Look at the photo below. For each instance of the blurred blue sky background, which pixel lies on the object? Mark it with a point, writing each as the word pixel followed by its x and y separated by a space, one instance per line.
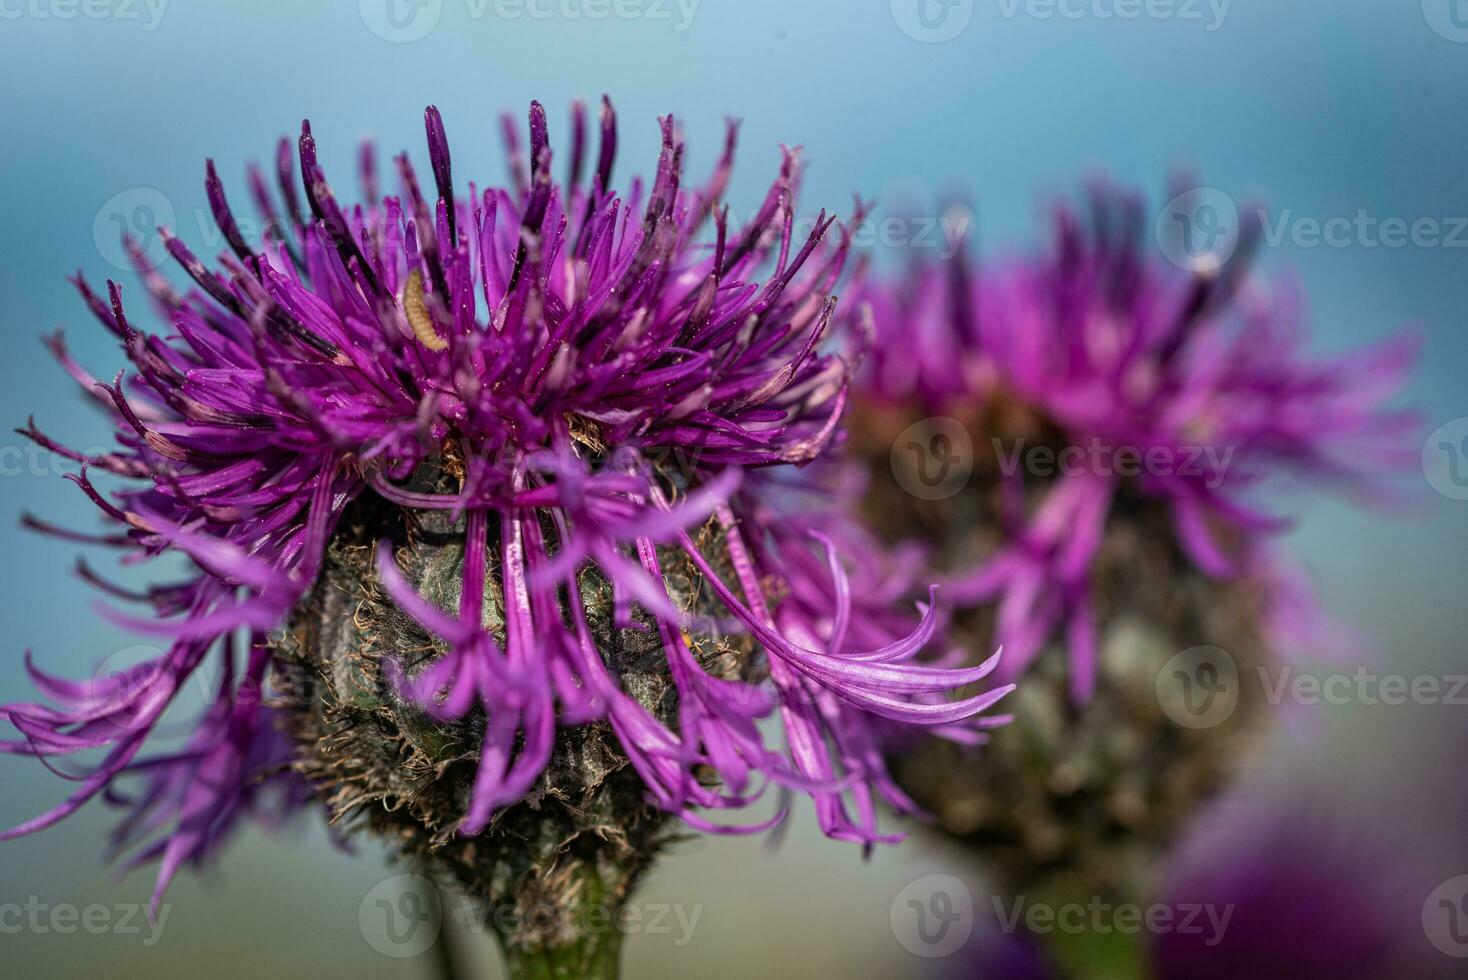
pixel 1322 107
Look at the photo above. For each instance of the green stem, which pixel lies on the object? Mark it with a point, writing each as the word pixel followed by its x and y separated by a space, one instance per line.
pixel 446 964
pixel 591 957
pixel 1096 956
pixel 572 929
pixel 1087 953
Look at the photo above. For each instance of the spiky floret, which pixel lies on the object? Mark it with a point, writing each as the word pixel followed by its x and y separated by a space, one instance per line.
pixel 1127 420
pixel 1199 384
pixel 550 347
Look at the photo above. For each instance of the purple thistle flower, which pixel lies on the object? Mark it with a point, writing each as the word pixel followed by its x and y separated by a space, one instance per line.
pixel 1112 526
pixel 1200 383
pixel 523 363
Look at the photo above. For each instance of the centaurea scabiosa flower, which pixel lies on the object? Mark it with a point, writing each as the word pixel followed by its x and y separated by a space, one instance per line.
pixel 488 482
pixel 1126 422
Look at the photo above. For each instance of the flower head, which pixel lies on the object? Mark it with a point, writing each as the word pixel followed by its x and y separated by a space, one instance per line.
pixel 588 398
pixel 1111 524
pixel 1142 384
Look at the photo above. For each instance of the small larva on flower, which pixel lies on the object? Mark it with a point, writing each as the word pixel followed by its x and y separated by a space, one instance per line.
pixel 417 313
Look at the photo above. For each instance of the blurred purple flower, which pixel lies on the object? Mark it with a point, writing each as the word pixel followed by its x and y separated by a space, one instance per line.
pixel 1257 891
pixel 1199 382
pixel 1302 890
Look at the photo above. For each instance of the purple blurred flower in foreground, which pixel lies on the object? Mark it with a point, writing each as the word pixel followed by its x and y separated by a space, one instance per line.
pixel 1300 889
pixel 1253 891
pixel 471 469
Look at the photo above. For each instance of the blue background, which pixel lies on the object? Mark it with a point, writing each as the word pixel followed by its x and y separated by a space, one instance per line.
pixel 1323 107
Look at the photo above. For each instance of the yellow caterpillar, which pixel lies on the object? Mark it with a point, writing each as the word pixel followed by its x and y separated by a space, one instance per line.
pixel 417 312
